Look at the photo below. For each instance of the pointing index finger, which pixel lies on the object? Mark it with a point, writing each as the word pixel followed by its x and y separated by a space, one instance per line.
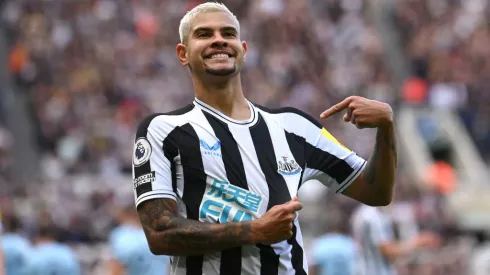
pixel 336 108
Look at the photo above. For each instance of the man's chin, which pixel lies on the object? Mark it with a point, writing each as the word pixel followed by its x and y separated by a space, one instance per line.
pixel 221 72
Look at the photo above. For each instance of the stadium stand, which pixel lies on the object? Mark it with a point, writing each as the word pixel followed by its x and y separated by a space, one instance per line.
pixel 93 69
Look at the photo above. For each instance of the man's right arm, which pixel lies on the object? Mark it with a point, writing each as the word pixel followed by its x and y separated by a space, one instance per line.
pixel 169 234
pixel 393 250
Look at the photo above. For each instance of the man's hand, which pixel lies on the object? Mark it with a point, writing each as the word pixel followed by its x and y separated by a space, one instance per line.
pixel 363 112
pixel 428 240
pixel 277 224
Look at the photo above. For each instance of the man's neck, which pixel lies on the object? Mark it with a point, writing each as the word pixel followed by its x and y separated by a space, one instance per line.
pixel 226 97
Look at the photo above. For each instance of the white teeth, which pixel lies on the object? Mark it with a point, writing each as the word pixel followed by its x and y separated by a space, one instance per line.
pixel 220 55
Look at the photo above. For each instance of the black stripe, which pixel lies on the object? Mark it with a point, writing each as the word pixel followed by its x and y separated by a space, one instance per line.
pixel 194 184
pixel 290 110
pixel 329 164
pixel 261 138
pixel 296 253
pixel 278 189
pixel 144 169
pixel 169 147
pixel 269 260
pixel 297 146
pixel 232 159
pixel 231 259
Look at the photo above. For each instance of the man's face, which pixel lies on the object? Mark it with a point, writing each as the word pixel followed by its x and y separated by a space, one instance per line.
pixel 213 46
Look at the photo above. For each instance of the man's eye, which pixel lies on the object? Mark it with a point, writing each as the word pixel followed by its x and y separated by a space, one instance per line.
pixel 203 34
pixel 231 34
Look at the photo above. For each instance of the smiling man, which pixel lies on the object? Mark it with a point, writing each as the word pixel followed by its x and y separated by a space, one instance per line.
pixel 215 182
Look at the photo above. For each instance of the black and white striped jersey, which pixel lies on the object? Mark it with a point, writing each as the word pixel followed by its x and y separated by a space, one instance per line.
pixel 222 170
pixel 371 228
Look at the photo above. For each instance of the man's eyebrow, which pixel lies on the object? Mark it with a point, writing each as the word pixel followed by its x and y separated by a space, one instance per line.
pixel 208 29
pixel 229 28
pixel 202 29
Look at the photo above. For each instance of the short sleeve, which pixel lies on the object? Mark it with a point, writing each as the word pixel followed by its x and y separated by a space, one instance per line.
pixel 326 160
pixel 153 160
pixel 330 162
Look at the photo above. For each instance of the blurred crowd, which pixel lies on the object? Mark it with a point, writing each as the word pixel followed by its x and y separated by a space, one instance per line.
pixel 93 69
pixel 446 43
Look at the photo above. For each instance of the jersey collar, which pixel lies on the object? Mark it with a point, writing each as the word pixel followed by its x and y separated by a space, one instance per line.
pixel 205 107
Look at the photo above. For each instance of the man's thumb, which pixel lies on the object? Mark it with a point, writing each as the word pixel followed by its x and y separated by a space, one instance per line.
pixel 346 118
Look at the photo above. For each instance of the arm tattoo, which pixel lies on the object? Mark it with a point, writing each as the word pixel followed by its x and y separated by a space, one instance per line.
pixel 172 235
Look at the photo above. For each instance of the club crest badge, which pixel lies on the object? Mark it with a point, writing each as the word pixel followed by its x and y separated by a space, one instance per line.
pixel 142 152
pixel 288 167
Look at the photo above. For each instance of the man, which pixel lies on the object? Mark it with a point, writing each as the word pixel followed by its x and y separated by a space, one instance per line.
pixel 50 257
pixel 215 182
pixel 335 253
pixel 15 247
pixel 130 251
pixel 373 230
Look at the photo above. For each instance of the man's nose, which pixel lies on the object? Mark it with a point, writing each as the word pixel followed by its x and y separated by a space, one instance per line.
pixel 219 42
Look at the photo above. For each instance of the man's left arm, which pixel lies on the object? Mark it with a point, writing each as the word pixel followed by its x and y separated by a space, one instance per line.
pixel 374 186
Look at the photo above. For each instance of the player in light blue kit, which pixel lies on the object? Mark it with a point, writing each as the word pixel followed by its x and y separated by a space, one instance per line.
pixel 130 252
pixel 16 248
pixel 335 253
pixel 50 257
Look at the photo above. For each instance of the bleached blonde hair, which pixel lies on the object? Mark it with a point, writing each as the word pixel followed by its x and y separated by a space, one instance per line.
pixel 185 23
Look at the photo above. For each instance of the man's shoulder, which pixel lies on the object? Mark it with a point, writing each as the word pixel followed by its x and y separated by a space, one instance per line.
pixel 289 115
pixel 168 118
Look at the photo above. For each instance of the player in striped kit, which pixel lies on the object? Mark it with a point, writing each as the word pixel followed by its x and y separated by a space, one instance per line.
pixel 215 182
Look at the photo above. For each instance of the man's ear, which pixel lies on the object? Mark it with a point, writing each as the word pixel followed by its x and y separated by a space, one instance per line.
pixel 182 54
pixel 245 49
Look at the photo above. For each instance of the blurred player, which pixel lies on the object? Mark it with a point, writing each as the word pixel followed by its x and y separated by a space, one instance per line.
pixel 373 230
pixel 130 252
pixel 335 253
pixel 15 247
pixel 50 257
pixel 215 182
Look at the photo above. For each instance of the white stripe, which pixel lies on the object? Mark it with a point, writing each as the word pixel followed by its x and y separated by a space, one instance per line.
pixel 211 263
pixel 179 175
pixel 250 260
pixel 283 249
pixel 178 265
pixel 213 165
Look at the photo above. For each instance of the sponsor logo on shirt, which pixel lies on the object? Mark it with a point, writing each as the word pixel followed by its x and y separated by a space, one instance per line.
pixel 288 167
pixel 214 150
pixel 142 152
pixel 224 202
pixel 146 178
